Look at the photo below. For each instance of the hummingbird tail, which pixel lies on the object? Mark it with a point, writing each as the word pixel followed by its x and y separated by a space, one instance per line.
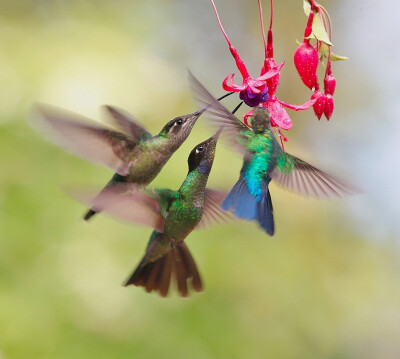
pixel 247 206
pixel 265 215
pixel 89 214
pixel 239 199
pixel 156 276
pixel 116 180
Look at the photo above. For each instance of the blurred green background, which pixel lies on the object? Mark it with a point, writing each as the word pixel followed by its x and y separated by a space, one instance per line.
pixel 325 286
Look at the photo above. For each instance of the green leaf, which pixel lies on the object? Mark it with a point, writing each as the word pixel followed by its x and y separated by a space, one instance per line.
pixel 324 52
pixel 335 57
pixel 318 31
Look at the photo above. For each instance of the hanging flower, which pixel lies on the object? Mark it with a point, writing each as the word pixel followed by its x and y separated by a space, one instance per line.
pixel 279 118
pixel 252 90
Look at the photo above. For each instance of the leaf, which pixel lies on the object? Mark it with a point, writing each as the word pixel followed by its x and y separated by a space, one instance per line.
pixel 324 52
pixel 335 57
pixel 318 31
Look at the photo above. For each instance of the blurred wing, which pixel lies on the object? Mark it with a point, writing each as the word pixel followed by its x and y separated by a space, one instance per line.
pixel 125 202
pixel 300 177
pixel 219 116
pixel 126 123
pixel 84 138
pixel 213 214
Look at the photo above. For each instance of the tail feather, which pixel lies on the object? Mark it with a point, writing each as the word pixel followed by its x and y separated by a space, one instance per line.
pixel 115 181
pixel 156 276
pixel 265 216
pixel 89 214
pixel 239 199
pixel 247 206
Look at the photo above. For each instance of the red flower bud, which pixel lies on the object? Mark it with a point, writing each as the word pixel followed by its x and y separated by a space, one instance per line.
pixel 329 106
pixel 319 104
pixel 306 62
pixel 329 84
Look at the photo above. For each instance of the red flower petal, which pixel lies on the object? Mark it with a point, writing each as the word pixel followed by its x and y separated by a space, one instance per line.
pixel 278 114
pixel 229 85
pixel 255 86
pixel 304 106
pixel 271 73
pixel 246 118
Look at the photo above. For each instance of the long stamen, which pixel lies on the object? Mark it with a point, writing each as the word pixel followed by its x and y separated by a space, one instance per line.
pixel 239 62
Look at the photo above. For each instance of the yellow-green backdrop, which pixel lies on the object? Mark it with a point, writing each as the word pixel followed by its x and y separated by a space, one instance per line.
pixel 326 286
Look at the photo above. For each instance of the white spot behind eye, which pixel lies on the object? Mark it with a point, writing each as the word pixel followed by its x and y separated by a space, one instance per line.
pixel 199 149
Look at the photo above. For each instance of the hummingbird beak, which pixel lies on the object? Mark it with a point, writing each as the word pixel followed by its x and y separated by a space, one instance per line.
pixel 216 135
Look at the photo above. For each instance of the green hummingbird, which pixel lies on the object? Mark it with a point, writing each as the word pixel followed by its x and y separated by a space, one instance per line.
pixel 264 160
pixel 173 215
pixel 127 148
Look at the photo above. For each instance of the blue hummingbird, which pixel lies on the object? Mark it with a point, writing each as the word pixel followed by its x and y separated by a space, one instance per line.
pixel 264 160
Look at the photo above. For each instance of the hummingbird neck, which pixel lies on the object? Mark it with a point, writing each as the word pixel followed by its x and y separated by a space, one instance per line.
pixel 194 184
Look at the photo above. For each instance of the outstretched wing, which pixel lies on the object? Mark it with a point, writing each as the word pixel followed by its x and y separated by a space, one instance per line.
pixel 126 123
pixel 85 138
pixel 300 177
pixel 217 115
pixel 127 202
pixel 213 214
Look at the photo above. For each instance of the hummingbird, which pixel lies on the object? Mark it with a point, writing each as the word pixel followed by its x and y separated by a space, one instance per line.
pixel 127 148
pixel 264 160
pixel 173 214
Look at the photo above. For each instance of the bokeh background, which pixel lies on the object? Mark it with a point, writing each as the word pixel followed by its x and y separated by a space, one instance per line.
pixel 325 286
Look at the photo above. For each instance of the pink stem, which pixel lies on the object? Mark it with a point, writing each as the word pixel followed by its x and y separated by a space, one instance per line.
pixel 239 62
pixel 308 30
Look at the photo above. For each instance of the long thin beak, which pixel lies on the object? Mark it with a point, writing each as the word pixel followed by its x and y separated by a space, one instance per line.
pixel 216 135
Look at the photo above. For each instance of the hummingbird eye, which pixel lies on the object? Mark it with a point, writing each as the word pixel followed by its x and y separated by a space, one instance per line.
pixel 199 149
pixel 179 122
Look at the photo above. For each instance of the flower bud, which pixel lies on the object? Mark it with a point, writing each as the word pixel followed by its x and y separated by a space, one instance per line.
pixel 319 104
pixel 329 84
pixel 306 62
pixel 329 106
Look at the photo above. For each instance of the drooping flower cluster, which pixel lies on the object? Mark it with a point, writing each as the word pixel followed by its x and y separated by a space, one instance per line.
pixel 308 57
pixel 261 91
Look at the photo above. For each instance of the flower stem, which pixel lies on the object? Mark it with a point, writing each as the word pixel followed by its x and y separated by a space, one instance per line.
pixel 239 62
pixel 237 107
pixel 223 96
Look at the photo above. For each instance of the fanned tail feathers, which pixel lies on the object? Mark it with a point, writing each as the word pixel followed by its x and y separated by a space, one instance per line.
pixel 249 207
pixel 156 276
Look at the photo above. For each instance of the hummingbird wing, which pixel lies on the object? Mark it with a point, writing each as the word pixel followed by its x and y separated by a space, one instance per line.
pixel 217 115
pixel 126 123
pixel 85 138
pixel 127 202
pixel 213 214
pixel 300 177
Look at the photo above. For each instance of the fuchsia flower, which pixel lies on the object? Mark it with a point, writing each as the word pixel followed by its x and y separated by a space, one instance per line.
pixel 280 119
pixel 261 90
pixel 307 58
pixel 252 90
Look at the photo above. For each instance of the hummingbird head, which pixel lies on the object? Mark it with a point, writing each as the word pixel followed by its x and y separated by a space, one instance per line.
pixel 178 129
pixel 260 120
pixel 202 156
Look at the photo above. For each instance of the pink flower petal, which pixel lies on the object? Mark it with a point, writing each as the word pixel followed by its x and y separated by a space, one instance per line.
pixel 229 85
pixel 304 106
pixel 246 118
pixel 270 73
pixel 278 114
pixel 255 86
